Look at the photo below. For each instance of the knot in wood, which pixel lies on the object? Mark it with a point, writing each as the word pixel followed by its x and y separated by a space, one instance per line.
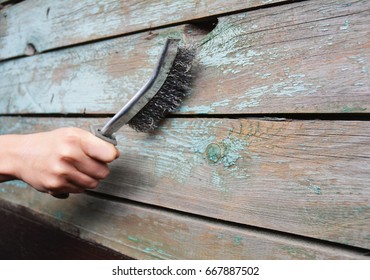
pixel 213 152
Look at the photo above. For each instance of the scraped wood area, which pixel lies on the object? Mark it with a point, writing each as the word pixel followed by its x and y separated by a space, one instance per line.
pixel 268 158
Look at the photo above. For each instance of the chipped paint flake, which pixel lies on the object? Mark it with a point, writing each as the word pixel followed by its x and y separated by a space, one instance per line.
pixel 222 49
pixel 345 26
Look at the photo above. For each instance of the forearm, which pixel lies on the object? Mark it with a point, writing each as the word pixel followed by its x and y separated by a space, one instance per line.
pixel 9 147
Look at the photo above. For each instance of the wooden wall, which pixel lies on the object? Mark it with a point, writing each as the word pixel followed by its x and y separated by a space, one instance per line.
pixel 267 159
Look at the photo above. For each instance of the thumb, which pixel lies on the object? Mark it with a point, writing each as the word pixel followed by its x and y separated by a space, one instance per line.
pixel 98 149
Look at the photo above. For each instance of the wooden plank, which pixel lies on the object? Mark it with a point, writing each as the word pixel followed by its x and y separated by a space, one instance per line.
pixel 20 239
pixel 305 57
pixel 146 233
pixel 309 178
pixel 54 24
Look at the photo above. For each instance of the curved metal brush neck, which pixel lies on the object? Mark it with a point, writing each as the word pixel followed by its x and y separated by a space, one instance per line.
pixel 146 93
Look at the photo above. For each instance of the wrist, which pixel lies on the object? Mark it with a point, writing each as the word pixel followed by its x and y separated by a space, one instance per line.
pixel 10 161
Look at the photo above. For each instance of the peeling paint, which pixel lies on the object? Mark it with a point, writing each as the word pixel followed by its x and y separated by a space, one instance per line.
pixel 222 49
pixel 205 109
pixel 133 239
pixel 237 240
pixel 233 150
pixel 154 251
pixel 348 109
pixel 201 109
pixel 345 26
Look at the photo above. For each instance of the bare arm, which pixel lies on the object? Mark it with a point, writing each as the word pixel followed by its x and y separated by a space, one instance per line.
pixel 66 160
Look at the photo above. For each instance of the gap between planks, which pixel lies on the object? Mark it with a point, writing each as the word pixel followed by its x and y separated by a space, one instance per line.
pixel 269 117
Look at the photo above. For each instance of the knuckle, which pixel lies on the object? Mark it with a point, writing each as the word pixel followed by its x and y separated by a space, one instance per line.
pixel 59 170
pixel 103 172
pixel 90 183
pixel 54 184
pixel 66 152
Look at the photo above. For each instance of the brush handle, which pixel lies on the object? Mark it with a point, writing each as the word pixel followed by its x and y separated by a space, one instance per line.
pixel 110 139
pixel 61 195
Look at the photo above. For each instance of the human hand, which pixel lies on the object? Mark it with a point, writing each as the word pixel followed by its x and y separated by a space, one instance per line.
pixel 66 160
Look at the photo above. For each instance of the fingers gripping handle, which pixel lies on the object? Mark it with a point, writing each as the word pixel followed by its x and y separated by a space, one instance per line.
pixel 100 135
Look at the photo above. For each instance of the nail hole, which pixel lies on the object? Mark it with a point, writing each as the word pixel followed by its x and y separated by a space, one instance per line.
pixel 207 25
pixel 200 27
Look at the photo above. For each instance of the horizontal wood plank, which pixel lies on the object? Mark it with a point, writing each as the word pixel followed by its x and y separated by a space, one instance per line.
pixel 146 233
pixel 309 178
pixel 20 239
pixel 53 24
pixel 305 57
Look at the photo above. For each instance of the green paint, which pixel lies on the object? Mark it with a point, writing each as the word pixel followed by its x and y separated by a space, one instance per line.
pixel 298 253
pixel 237 240
pixel 220 236
pixel 234 147
pixel 223 49
pixel 345 26
pixel 58 214
pixel 154 251
pixel 348 109
pixel 201 109
pixel 312 187
pixel 213 152
pixel 362 210
pixel 133 239
pixel 316 189
pixel 205 109
pixel 17 184
pixel 218 182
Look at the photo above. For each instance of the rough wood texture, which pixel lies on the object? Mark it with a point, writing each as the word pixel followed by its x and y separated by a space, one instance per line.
pixel 54 24
pixel 305 57
pixel 304 177
pixel 24 237
pixel 146 233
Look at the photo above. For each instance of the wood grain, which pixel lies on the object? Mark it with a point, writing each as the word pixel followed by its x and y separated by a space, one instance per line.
pixel 24 237
pixel 54 24
pixel 305 57
pixel 146 233
pixel 309 178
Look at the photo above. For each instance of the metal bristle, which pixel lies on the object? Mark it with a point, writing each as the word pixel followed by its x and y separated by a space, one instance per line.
pixel 171 94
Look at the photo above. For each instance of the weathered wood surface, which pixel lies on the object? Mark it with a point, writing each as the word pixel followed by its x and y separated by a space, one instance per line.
pixel 305 57
pixel 24 237
pixel 146 233
pixel 309 178
pixel 53 24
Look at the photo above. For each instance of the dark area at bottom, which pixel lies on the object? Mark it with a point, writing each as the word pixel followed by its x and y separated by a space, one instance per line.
pixel 23 237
